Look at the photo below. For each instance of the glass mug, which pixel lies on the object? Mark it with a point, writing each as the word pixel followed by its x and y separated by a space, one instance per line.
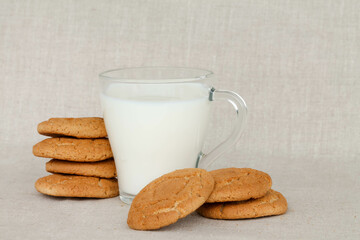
pixel 156 119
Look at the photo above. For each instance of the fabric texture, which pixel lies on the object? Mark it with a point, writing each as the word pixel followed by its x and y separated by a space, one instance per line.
pixel 296 64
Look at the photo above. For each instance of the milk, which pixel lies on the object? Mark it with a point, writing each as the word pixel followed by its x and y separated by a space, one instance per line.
pixel 154 129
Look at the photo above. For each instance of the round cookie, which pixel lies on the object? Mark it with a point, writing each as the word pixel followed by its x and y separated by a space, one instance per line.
pixel 77 186
pixel 169 198
pixel 238 184
pixel 102 169
pixel 90 127
pixel 72 149
pixel 273 203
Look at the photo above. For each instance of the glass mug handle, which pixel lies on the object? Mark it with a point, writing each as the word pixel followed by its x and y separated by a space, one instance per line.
pixel 241 111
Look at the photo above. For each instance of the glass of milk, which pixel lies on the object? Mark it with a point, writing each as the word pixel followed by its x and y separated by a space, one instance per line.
pixel 156 119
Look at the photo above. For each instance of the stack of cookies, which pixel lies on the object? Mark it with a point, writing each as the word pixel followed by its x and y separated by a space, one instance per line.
pixel 242 193
pixel 230 193
pixel 82 163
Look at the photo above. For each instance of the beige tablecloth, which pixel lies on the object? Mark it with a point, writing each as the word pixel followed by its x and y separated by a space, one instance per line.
pixel 323 198
pixel 296 63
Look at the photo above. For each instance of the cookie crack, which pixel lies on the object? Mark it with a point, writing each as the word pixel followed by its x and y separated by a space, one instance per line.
pixel 100 183
pixel 59 183
pixel 65 144
pixel 222 209
pixel 164 210
pixel 168 209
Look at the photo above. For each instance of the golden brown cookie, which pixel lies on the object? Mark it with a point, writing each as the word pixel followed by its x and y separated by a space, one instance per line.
pixel 273 203
pixel 102 169
pixel 77 186
pixel 169 198
pixel 90 127
pixel 238 184
pixel 72 149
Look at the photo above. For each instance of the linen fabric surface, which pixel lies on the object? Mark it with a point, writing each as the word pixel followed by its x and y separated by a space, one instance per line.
pixel 296 64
